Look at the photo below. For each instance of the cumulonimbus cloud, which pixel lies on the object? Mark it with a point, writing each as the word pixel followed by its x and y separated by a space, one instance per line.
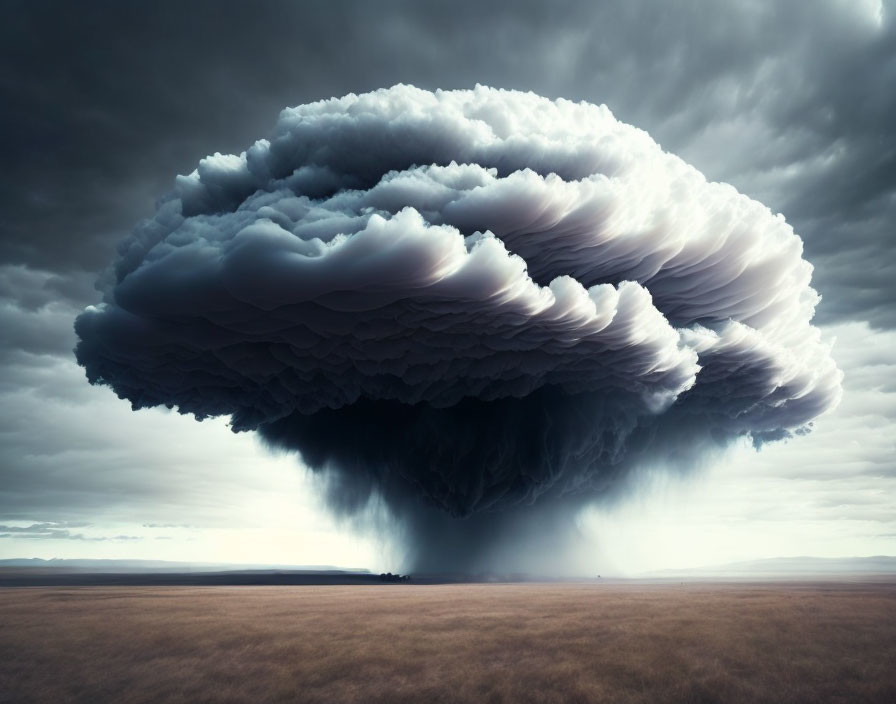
pixel 466 298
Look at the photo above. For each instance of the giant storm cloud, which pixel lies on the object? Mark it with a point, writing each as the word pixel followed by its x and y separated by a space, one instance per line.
pixel 479 308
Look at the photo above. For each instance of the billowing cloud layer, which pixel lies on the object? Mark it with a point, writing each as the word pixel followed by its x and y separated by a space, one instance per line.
pixel 469 298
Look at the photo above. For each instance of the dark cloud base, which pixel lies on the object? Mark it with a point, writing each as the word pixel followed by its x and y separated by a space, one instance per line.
pixel 491 486
pixel 485 456
pixel 471 457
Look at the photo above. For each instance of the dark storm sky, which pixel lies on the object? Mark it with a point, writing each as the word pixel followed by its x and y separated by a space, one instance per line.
pixel 790 102
pixel 105 102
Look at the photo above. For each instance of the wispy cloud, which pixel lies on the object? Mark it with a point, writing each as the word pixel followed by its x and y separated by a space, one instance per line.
pixel 57 531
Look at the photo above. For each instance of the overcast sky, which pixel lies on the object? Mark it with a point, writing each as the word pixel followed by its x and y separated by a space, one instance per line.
pixel 104 103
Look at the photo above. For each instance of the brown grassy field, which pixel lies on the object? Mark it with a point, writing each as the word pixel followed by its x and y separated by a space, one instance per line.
pixel 453 643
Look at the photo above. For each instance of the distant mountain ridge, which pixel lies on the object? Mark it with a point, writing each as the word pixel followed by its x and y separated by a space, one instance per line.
pixel 126 566
pixel 790 566
pixel 769 568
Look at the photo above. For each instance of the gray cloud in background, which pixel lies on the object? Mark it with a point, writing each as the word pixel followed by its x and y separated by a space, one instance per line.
pixel 56 531
pixel 790 103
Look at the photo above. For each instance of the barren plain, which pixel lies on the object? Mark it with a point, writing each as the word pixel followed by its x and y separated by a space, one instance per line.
pixel 558 642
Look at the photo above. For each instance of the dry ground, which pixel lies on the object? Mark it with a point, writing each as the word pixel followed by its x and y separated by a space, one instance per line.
pixel 452 643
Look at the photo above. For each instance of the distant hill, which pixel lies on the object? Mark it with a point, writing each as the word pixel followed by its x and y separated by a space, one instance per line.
pixel 139 566
pixel 36 572
pixel 801 566
pixel 60 571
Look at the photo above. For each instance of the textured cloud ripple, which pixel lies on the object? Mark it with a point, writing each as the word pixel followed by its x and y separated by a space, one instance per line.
pixel 464 302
